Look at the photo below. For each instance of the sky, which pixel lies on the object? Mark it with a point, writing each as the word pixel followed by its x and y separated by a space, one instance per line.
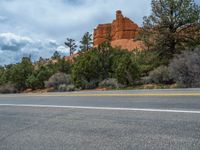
pixel 40 27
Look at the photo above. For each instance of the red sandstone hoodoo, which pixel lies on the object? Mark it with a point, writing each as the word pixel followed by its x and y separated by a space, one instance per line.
pixel 120 33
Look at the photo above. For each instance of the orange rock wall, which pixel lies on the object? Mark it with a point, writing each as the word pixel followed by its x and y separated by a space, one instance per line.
pixel 128 44
pixel 120 29
pixel 102 34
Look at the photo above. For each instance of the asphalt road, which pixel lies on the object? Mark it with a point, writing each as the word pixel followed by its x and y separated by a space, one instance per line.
pixel 112 120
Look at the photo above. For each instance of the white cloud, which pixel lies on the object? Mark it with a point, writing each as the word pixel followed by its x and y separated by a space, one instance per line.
pixel 67 18
pixel 12 42
pixel 62 49
pixel 13 47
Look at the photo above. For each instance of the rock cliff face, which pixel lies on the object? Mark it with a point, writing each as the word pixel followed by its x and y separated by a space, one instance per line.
pixel 102 34
pixel 120 33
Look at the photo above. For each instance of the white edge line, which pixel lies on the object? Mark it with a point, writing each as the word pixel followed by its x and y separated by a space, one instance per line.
pixel 104 108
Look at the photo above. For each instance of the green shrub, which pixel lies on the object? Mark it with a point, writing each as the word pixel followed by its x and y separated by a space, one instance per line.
pixel 86 69
pixel 39 75
pixel 92 66
pixel 58 79
pixel 110 83
pixel 18 73
pixel 63 66
pixel 125 69
pixel 68 88
pixel 2 76
pixel 104 62
pixel 160 75
pixel 147 61
pixel 33 82
pixel 90 84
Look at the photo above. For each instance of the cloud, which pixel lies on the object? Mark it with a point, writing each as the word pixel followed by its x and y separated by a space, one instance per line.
pixel 12 42
pixel 62 49
pixel 3 19
pixel 67 18
pixel 13 47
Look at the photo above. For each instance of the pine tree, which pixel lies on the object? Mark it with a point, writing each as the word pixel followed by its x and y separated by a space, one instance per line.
pixel 173 26
pixel 86 42
pixel 70 43
pixel 56 55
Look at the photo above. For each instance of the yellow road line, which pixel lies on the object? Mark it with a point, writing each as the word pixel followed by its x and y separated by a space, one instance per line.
pixel 107 95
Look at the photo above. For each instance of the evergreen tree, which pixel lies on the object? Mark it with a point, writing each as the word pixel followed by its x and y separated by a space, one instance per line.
pixel 56 55
pixel 18 73
pixel 86 42
pixel 172 26
pixel 63 66
pixel 70 43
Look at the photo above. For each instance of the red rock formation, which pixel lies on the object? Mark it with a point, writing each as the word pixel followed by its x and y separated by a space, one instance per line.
pixel 123 28
pixel 128 44
pixel 102 34
pixel 120 33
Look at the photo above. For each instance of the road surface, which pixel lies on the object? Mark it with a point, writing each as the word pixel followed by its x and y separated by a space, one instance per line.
pixel 110 120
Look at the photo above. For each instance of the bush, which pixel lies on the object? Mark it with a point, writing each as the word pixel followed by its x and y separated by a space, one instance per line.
pixel 160 75
pixel 125 69
pixel 87 69
pixel 63 66
pixel 33 82
pixel 18 73
pixel 110 83
pixel 93 66
pixel 148 61
pixel 90 84
pixel 41 74
pixel 185 68
pixel 64 88
pixel 58 79
pixel 8 88
pixel 104 62
pixel 2 76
